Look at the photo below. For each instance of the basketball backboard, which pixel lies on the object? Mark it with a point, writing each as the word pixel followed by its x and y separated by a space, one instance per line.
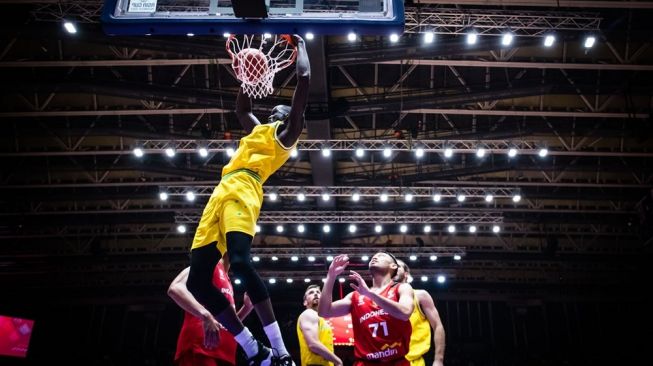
pixel 216 17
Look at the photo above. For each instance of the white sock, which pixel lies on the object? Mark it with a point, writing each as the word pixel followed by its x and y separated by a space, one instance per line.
pixel 247 342
pixel 274 335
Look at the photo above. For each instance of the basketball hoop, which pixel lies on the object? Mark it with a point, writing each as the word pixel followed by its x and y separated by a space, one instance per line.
pixel 254 66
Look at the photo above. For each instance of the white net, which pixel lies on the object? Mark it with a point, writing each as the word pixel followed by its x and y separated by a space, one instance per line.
pixel 256 59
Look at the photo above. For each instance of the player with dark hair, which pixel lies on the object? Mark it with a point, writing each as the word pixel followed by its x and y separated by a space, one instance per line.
pixel 380 314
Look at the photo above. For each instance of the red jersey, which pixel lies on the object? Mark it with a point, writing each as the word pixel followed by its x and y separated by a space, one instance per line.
pixel 191 337
pixel 379 337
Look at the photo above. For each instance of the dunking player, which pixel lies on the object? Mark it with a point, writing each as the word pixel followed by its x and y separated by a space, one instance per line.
pixel 379 314
pixel 229 218
pixel 424 317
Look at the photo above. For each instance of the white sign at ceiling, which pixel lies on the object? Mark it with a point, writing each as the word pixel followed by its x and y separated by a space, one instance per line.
pixel 142 6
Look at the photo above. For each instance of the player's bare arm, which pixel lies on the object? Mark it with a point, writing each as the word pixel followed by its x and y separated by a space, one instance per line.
pixel 244 113
pixel 327 308
pixel 291 133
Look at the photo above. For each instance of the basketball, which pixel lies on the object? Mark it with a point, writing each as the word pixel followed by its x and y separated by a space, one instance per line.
pixel 251 64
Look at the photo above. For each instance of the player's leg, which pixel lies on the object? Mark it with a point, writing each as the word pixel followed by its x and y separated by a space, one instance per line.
pixel 239 246
pixel 204 258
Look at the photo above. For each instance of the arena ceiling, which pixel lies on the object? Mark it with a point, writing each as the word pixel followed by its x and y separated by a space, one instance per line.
pixel 80 210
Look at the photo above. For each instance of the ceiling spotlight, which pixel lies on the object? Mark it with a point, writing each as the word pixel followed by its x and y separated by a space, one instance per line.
pixel 427 228
pixel 506 39
pixel 190 34
pixel 359 152
pixel 461 197
pixel 472 229
pixel 441 279
pixel 387 152
pixel 203 152
pixel 496 229
pixel 365 258
pixel 311 258
pixel 480 152
pixel 408 197
pixel 293 153
pixel 190 196
pixel 437 197
pixel 326 229
pixel 472 37
pixel 300 228
pixel 307 280
pixel 419 152
pixel 310 36
pixel 433 258
pixel 351 37
pixel 378 228
pixel 424 278
pixel 543 152
pixel 170 152
pixel 274 258
pixel 329 258
pixel 70 27
pixel 226 35
pixel 410 279
pixel 256 258
pixel 549 40
pixel 272 281
pixel 341 280
pixel 267 35
pixel 516 198
pixel 258 228
pixel 289 280
pixel 403 228
pixel 352 228
pixel 163 196
pixel 355 197
pixel 237 281
pixel 451 229
pixel 326 152
pixel 448 152
pixel 301 197
pixel 181 229
pixel 589 42
pixel 279 228
pixel 428 37
pixel 457 257
pixel 273 196
pixel 325 197
pixel 489 197
pixel 413 257
pixel 138 152
pixel 394 38
pixel 384 197
pixel 512 152
pixel 294 258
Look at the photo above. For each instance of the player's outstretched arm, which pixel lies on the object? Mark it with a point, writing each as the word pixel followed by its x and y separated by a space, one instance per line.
pixel 300 98
pixel 244 113
pixel 431 312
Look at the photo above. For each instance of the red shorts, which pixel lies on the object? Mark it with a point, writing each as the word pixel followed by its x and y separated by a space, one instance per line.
pixel 198 359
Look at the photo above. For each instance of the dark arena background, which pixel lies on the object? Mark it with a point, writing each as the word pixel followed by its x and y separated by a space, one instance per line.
pixel 514 175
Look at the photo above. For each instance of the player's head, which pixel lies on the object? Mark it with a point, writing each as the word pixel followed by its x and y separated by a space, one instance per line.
pixel 279 113
pixel 312 296
pixel 384 262
pixel 403 272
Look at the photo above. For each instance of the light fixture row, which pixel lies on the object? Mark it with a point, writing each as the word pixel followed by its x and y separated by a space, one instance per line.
pixel 326 152
pixel 440 279
pixel 353 228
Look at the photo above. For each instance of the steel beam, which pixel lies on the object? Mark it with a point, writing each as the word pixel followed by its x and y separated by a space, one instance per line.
pixel 521 65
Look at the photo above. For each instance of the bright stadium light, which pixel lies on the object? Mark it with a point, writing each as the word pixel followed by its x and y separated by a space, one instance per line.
pixel 203 152
pixel 138 152
pixel 549 40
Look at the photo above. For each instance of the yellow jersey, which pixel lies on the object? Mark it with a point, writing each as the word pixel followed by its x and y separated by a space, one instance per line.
pixel 259 154
pixel 324 335
pixel 420 338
